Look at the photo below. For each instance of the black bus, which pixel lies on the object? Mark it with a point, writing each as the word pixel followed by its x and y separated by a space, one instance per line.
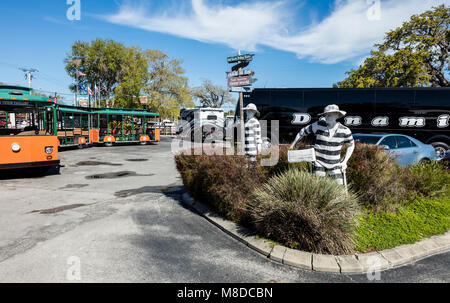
pixel 422 113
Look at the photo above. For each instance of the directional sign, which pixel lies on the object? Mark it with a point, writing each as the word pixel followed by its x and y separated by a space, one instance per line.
pixel 239 66
pixel 244 89
pixel 246 57
pixel 240 81
pixel 240 73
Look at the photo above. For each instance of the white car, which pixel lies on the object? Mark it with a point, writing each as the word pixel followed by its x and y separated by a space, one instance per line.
pixel 405 149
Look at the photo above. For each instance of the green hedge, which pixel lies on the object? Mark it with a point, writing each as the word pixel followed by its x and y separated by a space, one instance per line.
pixel 227 184
pixel 416 220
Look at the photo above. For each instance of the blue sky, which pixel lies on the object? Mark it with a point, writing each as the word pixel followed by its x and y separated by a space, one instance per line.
pixel 297 43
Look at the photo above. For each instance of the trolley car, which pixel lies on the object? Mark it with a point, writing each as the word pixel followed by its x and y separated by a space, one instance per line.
pixel 32 128
pixel 28 132
pixel 126 126
pixel 74 126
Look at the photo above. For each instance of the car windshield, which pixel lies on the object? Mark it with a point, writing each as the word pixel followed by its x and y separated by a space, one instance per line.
pixel 367 139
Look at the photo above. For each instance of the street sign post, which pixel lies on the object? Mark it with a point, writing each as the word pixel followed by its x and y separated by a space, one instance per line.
pixel 241 73
pixel 239 58
pixel 238 81
pixel 243 89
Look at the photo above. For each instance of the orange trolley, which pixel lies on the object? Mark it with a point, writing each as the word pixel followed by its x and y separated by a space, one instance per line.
pixel 125 126
pixel 27 130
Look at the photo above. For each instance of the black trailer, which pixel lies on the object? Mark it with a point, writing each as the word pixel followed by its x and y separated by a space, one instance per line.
pixel 422 113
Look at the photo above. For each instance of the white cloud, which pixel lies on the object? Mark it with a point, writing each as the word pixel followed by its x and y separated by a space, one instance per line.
pixel 346 33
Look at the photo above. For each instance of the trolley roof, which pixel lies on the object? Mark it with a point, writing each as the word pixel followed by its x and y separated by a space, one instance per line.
pixel 20 93
pixel 127 112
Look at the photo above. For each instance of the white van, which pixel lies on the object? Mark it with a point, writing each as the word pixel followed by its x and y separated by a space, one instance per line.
pixel 208 120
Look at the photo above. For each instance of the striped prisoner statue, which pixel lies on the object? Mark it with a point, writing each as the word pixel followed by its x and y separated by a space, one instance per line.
pixel 252 138
pixel 328 148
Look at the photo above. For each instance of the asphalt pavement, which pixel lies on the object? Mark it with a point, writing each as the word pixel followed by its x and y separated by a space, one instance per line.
pixel 116 215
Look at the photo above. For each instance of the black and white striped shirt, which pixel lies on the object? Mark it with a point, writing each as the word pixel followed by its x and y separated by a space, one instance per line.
pixel 328 148
pixel 252 136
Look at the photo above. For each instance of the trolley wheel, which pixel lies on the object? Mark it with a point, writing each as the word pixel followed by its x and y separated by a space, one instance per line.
pixel 108 144
pixel 143 143
pixel 80 146
pixel 56 169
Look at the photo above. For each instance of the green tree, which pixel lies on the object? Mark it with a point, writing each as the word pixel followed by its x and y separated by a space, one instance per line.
pixel 211 95
pixel 166 87
pixel 135 75
pixel 413 55
pixel 103 61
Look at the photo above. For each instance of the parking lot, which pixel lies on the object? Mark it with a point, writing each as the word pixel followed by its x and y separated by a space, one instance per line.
pixel 118 211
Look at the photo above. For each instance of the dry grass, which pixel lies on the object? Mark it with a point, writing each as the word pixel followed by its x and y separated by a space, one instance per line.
pixel 305 212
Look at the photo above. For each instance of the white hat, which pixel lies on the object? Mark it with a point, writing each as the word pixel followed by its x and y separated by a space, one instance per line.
pixel 251 107
pixel 333 108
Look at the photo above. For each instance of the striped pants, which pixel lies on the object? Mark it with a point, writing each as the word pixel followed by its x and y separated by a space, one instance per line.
pixel 334 172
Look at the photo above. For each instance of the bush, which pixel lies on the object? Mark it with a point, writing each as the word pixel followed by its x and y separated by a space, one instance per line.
pixel 413 222
pixel 222 182
pixel 304 211
pixel 283 164
pixel 428 179
pixel 375 176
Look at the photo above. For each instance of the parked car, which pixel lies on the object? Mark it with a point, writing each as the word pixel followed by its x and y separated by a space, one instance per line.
pixel 405 149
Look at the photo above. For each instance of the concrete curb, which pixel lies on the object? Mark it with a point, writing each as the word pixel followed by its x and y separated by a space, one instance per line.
pixel 349 264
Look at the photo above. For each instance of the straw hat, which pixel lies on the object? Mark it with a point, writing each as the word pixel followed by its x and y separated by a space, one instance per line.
pixel 333 108
pixel 251 107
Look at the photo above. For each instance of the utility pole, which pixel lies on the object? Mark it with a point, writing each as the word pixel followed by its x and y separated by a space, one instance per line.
pixel 29 74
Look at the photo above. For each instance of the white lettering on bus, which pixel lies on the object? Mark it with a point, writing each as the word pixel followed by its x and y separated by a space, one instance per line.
pixel 443 120
pixel 300 118
pixel 380 121
pixel 353 121
pixel 412 122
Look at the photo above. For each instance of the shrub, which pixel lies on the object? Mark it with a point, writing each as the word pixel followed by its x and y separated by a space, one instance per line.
pixel 283 164
pixel 222 182
pixel 375 176
pixel 428 179
pixel 416 220
pixel 303 211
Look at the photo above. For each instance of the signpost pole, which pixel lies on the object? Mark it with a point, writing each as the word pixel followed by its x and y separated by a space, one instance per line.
pixel 241 107
pixel 238 79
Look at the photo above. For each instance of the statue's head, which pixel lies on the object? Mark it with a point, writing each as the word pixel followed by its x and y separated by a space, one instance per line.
pixel 332 113
pixel 251 110
pixel 331 119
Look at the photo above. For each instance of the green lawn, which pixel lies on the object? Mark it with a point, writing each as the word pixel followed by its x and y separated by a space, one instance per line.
pixel 414 221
